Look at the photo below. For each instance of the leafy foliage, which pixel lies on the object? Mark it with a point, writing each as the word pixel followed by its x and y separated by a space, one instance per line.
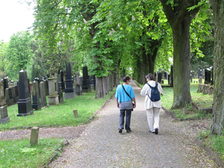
pixel 18 53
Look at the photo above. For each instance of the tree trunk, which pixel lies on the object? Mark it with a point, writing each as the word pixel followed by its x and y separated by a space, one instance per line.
pixel 180 17
pixel 218 95
pixel 181 63
pixel 99 87
pixel 146 62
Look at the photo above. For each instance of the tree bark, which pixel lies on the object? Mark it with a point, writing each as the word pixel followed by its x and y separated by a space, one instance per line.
pixel 146 60
pixel 181 63
pixel 218 95
pixel 180 19
pixel 99 87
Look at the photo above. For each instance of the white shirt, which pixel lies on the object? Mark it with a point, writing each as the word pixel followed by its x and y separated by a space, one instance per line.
pixel 146 91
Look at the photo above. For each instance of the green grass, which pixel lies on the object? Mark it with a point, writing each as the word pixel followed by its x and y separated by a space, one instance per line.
pixel 217 144
pixel 58 115
pixel 201 100
pixel 19 154
pixel 214 142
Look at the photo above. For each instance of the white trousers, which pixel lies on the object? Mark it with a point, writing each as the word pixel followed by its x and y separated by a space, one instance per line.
pixel 153 118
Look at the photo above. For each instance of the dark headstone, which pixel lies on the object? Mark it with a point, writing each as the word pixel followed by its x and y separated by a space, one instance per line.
pixel 159 77
pixel 24 102
pixel 43 94
pixel 5 83
pixel 36 96
pixel 208 76
pixel 85 79
pixel 69 91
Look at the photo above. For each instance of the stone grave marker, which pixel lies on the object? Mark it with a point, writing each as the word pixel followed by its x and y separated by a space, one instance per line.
pixel 159 77
pixel 60 90
pixel 85 80
pixel 24 102
pixel 3 107
pixel 77 84
pixel 53 93
pixel 43 94
pixel 36 96
pixel 208 76
pixel 69 91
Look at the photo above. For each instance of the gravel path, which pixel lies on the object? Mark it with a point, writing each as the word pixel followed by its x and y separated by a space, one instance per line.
pixel 101 146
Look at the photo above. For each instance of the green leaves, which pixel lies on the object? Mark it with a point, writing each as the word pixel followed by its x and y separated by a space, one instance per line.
pixel 19 53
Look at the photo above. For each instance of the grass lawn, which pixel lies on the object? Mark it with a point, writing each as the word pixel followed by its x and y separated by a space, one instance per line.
pixel 58 115
pixel 201 100
pixel 19 154
pixel 214 142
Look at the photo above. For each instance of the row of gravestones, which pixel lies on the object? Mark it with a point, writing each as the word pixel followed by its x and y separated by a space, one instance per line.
pixel 33 96
pixel 208 76
pixel 164 75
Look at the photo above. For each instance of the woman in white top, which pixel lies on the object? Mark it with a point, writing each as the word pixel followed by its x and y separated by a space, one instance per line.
pixel 152 91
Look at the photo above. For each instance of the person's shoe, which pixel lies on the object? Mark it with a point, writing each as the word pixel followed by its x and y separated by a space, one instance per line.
pixel 156 131
pixel 128 130
pixel 120 131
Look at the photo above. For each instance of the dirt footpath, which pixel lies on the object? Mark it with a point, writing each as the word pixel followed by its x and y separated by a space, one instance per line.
pixel 101 146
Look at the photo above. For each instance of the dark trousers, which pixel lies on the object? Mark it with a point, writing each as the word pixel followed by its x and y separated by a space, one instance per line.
pixel 128 119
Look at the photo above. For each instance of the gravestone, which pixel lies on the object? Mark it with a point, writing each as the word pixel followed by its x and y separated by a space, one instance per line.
pixel 53 93
pixel 208 76
pixel 5 83
pixel 3 107
pixel 43 94
pixel 60 90
pixel 69 91
pixel 46 87
pixel 24 102
pixel 85 79
pixel 159 77
pixel 92 83
pixel 62 80
pixel 77 84
pixel 36 96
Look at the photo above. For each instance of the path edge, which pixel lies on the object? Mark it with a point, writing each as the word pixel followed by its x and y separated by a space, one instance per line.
pixel 210 152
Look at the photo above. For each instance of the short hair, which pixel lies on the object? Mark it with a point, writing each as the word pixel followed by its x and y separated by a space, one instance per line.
pixel 150 76
pixel 126 78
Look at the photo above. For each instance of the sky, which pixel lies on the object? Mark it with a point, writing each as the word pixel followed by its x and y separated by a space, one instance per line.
pixel 15 16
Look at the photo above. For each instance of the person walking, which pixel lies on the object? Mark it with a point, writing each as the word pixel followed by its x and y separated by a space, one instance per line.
pixel 152 91
pixel 125 98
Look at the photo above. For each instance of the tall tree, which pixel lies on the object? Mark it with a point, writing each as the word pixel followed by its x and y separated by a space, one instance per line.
pixel 218 97
pixel 19 53
pixel 180 17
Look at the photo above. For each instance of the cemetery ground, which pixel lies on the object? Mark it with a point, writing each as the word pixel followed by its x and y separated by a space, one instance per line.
pixel 57 115
pixel 181 133
pixel 15 150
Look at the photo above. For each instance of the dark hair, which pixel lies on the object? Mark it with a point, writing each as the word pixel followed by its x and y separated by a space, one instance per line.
pixel 126 78
pixel 150 76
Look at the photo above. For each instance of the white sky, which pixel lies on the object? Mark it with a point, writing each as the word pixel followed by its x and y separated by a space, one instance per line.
pixel 15 15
